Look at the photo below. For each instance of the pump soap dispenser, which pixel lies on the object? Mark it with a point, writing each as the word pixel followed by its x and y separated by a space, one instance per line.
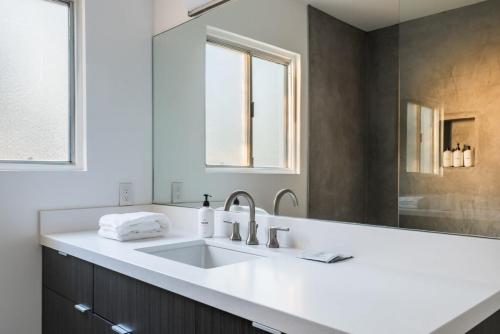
pixel 206 219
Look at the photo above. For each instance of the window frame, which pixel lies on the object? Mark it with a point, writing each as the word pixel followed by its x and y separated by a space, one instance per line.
pixel 77 98
pixel 291 60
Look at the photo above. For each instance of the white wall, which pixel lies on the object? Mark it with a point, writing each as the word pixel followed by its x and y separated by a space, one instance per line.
pixel 179 101
pixel 119 149
pixel 168 14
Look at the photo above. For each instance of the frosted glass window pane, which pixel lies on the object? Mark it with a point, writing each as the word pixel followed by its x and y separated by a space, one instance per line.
pixel 426 146
pixel 269 122
pixel 412 138
pixel 226 107
pixel 34 81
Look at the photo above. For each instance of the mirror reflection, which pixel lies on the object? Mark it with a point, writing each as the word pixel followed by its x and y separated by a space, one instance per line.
pixel 386 117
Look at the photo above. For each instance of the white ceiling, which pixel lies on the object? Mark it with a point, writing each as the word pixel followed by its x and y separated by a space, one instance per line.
pixel 374 14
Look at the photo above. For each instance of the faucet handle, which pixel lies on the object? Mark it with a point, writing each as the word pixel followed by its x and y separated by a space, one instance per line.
pixel 235 232
pixel 272 242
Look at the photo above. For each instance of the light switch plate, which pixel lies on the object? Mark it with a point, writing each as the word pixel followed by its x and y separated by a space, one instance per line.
pixel 126 194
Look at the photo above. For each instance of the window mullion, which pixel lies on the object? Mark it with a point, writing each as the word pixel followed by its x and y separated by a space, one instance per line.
pixel 250 108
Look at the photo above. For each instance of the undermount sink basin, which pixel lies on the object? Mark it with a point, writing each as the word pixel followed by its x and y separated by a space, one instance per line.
pixel 199 254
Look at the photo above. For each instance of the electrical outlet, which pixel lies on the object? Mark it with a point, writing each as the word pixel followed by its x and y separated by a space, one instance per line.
pixel 176 189
pixel 126 194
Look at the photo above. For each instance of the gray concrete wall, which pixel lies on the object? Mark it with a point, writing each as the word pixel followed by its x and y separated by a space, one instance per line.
pixel 381 142
pixel 452 60
pixel 353 122
pixel 336 134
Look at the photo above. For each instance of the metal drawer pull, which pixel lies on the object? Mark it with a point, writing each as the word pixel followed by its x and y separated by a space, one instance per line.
pixel 82 308
pixel 62 253
pixel 265 328
pixel 121 329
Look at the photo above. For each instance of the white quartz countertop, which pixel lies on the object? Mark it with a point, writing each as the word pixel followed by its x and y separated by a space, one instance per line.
pixel 361 295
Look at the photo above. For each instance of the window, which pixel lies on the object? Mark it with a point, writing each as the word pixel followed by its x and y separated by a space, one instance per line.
pixel 40 100
pixel 422 139
pixel 251 107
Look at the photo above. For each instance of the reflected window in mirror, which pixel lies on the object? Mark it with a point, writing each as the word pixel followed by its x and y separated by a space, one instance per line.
pixel 250 101
pixel 423 138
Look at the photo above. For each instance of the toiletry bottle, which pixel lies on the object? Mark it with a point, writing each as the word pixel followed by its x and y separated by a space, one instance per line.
pixel 458 157
pixel 236 206
pixel 447 158
pixel 468 160
pixel 206 219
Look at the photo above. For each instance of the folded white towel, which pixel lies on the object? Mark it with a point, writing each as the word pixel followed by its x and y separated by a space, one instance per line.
pixel 140 228
pixel 131 236
pixel 124 223
pixel 133 226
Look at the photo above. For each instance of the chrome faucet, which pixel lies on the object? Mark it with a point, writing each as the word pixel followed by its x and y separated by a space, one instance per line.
pixel 252 225
pixel 279 196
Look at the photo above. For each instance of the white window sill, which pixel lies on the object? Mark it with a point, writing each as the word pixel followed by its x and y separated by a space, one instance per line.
pixel 41 167
pixel 254 170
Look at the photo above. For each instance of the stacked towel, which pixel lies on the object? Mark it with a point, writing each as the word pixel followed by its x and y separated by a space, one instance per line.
pixel 133 226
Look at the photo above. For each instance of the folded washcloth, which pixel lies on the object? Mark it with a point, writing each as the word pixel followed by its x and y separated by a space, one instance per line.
pixel 133 226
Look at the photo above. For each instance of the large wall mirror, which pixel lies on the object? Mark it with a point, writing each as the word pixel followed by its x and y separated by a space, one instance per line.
pixel 385 114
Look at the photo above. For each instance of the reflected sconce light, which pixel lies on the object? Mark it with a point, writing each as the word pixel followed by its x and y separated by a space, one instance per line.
pixel 197 7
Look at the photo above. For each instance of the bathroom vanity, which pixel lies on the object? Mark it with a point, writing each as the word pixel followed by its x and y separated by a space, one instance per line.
pixel 95 285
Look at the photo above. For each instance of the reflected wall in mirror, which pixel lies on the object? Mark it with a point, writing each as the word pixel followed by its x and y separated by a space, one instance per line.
pixel 450 62
pixel 359 111
pixel 230 100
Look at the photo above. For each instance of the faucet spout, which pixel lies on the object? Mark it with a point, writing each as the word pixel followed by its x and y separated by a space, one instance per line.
pixel 279 196
pixel 252 225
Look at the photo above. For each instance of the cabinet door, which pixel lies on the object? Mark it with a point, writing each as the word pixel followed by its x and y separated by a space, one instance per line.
pixel 68 276
pixel 59 316
pixel 123 300
pixel 101 326
pixel 213 321
pixel 177 314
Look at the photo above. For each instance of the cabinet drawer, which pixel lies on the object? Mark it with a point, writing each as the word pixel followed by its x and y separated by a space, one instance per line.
pixel 68 276
pixel 101 326
pixel 123 300
pixel 59 316
pixel 177 314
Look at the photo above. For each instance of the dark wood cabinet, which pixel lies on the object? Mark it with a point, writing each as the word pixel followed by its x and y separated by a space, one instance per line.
pixel 123 300
pixel 69 276
pixel 101 326
pixel 60 316
pixel 213 321
pixel 177 314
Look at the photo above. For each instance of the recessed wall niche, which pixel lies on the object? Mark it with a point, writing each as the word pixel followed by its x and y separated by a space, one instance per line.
pixel 460 129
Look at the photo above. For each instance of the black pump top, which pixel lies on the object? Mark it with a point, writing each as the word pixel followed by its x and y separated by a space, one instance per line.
pixel 236 201
pixel 206 203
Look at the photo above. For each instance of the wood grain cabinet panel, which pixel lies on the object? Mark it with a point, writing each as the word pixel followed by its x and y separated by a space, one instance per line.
pixel 123 300
pixel 101 326
pixel 69 276
pixel 177 314
pixel 60 317
pixel 213 321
